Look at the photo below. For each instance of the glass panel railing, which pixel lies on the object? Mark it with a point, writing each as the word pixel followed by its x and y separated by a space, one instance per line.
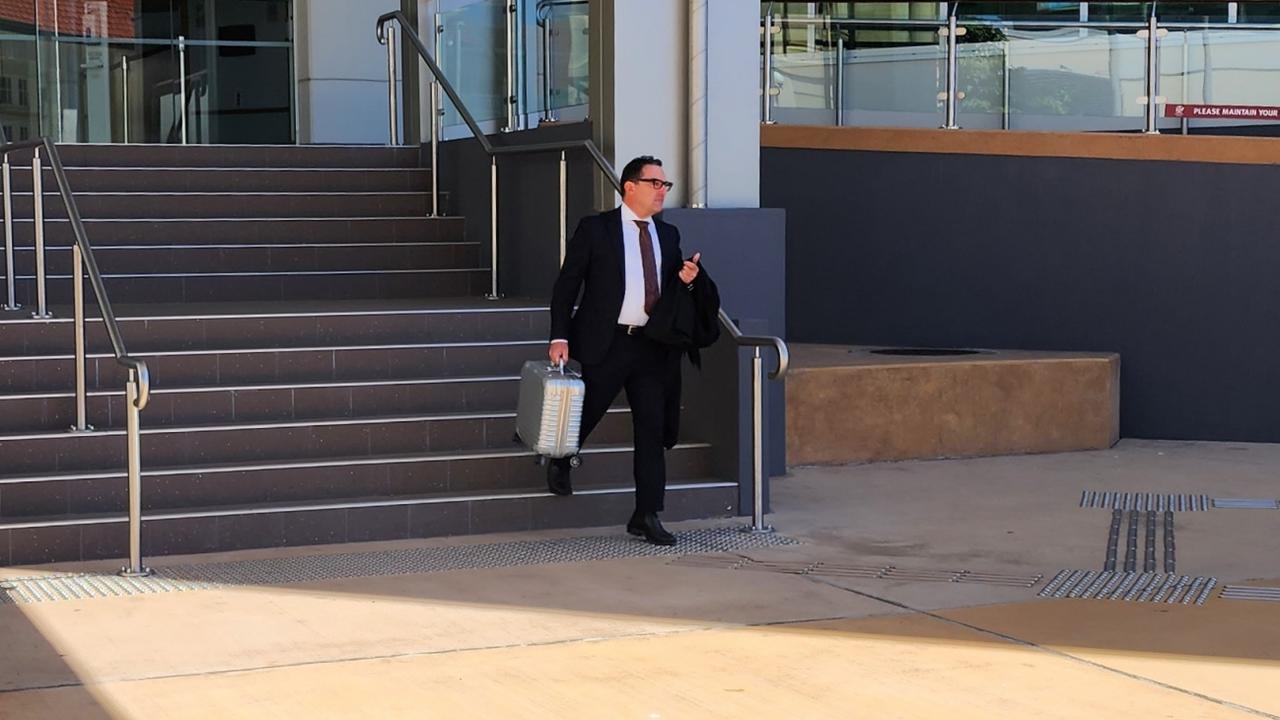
pixel 1063 79
pixel 1053 75
pixel 562 56
pixel 471 51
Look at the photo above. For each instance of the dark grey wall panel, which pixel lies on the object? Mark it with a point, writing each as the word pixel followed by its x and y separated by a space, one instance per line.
pixel 528 202
pixel 1170 264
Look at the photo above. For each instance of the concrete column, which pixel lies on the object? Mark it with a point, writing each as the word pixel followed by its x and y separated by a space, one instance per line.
pixel 342 72
pixel 639 93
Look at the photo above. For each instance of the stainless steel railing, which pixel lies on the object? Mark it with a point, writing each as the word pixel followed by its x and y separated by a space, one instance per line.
pixel 442 82
pixel 754 341
pixel 949 28
pixel 545 15
pixel 138 384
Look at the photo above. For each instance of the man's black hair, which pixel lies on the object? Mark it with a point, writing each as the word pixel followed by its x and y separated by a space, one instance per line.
pixel 634 170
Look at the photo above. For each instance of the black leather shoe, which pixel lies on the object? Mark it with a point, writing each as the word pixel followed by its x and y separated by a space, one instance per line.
pixel 558 477
pixel 635 526
pixel 648 527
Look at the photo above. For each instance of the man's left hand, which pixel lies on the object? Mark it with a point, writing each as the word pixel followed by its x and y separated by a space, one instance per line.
pixel 690 269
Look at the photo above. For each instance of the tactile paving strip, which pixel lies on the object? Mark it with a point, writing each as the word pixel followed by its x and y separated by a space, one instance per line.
pixel 873 572
pixel 1168 588
pixel 1250 592
pixel 307 568
pixel 1143 501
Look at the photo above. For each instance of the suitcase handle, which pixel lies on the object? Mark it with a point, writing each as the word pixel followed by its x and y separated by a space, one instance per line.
pixel 565 371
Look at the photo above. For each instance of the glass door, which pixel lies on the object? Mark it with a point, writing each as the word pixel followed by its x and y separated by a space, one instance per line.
pixel 149 71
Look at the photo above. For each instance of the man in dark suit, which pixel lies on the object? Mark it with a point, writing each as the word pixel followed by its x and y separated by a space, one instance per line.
pixel 620 260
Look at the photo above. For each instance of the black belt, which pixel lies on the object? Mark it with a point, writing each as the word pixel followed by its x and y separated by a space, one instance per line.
pixel 630 329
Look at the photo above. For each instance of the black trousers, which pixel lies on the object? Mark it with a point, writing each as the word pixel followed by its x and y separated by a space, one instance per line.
pixel 643 368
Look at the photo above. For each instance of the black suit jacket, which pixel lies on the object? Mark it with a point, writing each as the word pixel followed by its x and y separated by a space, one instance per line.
pixel 595 263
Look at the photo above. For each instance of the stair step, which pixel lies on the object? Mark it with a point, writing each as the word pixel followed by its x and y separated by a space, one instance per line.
pixel 355 283
pixel 324 478
pixel 231 204
pixel 160 259
pixel 230 179
pixel 215 325
pixel 22 454
pixel 226 231
pixel 266 402
pixel 263 365
pixel 269 156
pixel 225 528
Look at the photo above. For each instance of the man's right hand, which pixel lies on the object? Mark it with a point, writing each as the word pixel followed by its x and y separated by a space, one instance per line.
pixel 558 352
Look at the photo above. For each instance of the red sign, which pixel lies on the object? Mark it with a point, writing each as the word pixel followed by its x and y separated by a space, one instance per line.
pixel 1223 112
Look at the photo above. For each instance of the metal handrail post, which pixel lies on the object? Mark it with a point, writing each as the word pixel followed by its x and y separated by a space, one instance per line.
pixel 37 199
pixel 949 101
pixel 392 109
pixel 182 85
pixel 132 423
pixel 10 271
pixel 766 84
pixel 124 93
pixel 1006 85
pixel 548 37
pixel 437 122
pixel 757 444
pixel 1152 75
pixel 511 67
pixel 493 227
pixel 564 204
pixel 77 285
pixel 840 80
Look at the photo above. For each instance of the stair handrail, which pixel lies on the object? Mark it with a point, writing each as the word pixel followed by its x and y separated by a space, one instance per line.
pixel 138 385
pixel 754 341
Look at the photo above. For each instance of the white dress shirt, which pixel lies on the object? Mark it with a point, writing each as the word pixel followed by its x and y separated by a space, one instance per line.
pixel 633 300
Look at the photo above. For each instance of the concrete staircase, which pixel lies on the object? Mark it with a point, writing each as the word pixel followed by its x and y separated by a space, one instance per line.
pixel 324 368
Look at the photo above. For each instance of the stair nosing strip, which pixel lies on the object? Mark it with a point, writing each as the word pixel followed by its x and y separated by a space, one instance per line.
pixel 345 218
pixel 315 314
pixel 227 168
pixel 352 505
pixel 57 435
pixel 266 273
pixel 258 350
pixel 324 462
pixel 270 386
pixel 258 246
pixel 233 193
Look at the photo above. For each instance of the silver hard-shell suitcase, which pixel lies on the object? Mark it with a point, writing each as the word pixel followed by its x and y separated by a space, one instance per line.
pixel 549 411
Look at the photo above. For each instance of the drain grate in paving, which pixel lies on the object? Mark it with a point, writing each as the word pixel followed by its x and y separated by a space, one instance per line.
pixel 1144 501
pixel 280 571
pixel 1246 504
pixel 1168 588
pixel 841 570
pixel 1249 592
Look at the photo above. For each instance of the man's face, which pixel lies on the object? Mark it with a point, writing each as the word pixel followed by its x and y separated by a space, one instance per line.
pixel 642 195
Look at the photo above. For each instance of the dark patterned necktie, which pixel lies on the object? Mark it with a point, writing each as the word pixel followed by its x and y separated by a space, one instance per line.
pixel 650 268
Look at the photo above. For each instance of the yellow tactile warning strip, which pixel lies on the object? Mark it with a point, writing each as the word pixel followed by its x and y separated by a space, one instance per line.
pixel 1105 146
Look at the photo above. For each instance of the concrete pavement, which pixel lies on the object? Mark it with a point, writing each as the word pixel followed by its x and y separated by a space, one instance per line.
pixel 652 638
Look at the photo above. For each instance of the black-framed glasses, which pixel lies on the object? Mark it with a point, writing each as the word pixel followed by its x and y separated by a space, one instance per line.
pixel 655 183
